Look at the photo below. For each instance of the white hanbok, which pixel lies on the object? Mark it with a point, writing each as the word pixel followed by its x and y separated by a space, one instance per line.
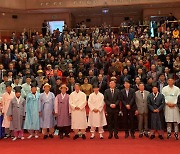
pixel 96 102
pixel 78 117
pixel 171 95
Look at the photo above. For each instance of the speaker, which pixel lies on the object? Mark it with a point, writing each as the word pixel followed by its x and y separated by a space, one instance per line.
pixel 126 18
pixel 88 20
pixel 14 16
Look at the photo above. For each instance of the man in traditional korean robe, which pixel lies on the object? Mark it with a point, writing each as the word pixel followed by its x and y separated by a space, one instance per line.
pixel 96 114
pixel 16 113
pixel 6 99
pixel 77 101
pixel 156 104
pixel 46 111
pixel 61 108
pixel 172 115
pixel 32 123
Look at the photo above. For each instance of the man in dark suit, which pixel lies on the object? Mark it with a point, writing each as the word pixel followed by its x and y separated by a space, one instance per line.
pixel 112 100
pixel 71 85
pixel 102 84
pixel 161 82
pixel 129 108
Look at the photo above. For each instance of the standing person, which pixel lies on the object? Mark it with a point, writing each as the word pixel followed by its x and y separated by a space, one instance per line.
pixel 77 101
pixel 96 115
pixel 16 113
pixel 156 104
pixel 6 99
pixel 172 115
pixel 141 102
pixel 129 108
pixel 46 111
pixel 32 112
pixel 61 108
pixel 112 100
pixel 1 120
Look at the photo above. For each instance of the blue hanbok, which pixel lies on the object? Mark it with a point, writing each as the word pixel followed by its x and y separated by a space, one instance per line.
pixel 32 121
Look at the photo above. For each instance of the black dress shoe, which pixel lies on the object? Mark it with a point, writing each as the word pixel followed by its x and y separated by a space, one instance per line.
pixel 132 136
pixel 83 136
pixel 176 136
pixel 126 135
pixel 140 135
pixel 161 137
pixel 152 137
pixel 110 136
pixel 116 136
pixel 51 136
pixel 61 136
pixel 75 137
pixel 45 137
pixel 168 135
pixel 67 135
pixel 146 135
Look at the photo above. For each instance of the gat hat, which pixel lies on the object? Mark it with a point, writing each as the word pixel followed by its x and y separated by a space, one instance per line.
pixel 95 86
pixel 8 83
pixel 64 86
pixel 33 84
pixel 47 84
pixel 17 89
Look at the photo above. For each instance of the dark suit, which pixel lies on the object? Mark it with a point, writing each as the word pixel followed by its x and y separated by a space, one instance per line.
pixel 128 115
pixel 112 116
pixel 71 88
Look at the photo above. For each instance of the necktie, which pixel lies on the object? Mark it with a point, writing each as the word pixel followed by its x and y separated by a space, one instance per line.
pixel 112 92
pixel 142 94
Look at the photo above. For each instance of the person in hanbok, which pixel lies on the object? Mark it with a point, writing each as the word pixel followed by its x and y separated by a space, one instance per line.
pixel 16 114
pixel 46 111
pixel 6 99
pixel 1 120
pixel 32 123
pixel 96 114
pixel 172 115
pixel 62 112
pixel 77 102
pixel 156 102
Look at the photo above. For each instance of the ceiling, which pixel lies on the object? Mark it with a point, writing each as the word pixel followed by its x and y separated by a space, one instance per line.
pixel 93 10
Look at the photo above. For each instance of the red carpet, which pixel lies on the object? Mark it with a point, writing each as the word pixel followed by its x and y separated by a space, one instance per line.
pixel 79 146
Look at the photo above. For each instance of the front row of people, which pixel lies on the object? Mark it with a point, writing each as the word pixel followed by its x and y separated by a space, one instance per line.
pixel 69 111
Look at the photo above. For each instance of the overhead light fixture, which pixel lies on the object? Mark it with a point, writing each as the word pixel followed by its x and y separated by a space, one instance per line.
pixel 3 14
pixel 105 10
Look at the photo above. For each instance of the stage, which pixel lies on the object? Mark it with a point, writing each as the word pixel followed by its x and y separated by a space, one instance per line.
pixel 80 146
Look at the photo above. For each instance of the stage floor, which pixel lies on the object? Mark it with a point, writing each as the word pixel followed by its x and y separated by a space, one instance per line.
pixel 80 146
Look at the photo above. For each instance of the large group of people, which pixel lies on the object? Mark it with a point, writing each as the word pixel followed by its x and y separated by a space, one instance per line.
pixel 89 77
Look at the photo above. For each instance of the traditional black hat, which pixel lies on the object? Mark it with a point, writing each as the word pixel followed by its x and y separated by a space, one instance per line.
pixel 17 89
pixel 33 84
pixel 95 86
pixel 8 83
